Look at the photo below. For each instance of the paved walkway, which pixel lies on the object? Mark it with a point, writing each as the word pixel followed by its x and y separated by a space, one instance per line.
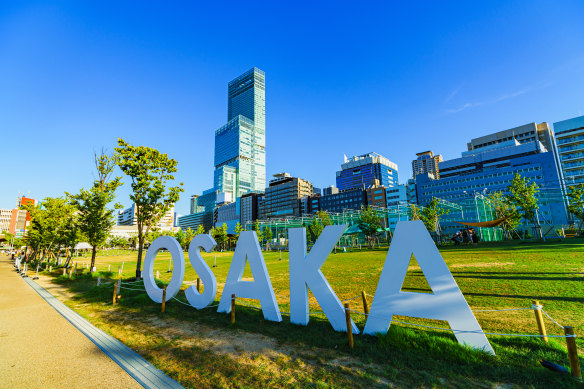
pixel 39 348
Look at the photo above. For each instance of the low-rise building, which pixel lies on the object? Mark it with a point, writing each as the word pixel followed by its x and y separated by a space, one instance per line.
pixel 347 199
pixel 128 217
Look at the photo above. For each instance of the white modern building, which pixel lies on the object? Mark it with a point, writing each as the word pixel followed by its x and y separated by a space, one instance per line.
pixel 570 142
pixel 5 216
pixel 128 217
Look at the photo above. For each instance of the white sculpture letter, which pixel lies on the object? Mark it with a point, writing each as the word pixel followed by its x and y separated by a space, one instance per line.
pixel 178 268
pixel 195 298
pixel 305 273
pixel 446 303
pixel 248 248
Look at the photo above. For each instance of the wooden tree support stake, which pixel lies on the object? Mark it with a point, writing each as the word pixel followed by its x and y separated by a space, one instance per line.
pixel 233 309
pixel 115 297
pixel 573 353
pixel 365 306
pixel 199 285
pixel 349 328
pixel 163 299
pixel 539 320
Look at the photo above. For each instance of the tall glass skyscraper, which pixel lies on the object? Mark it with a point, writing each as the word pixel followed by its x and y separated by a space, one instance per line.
pixel 240 156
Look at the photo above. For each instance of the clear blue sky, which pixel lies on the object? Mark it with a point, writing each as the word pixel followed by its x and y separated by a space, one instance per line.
pixel 341 78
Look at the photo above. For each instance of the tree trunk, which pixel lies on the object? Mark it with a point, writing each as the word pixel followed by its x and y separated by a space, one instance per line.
pixel 139 263
pixel 68 260
pixel 93 253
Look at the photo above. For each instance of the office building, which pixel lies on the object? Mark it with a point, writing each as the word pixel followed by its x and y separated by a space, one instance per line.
pixel 376 196
pixel 487 168
pixel 240 156
pixel 330 190
pixel 427 162
pixel 352 199
pixel 313 204
pixel 361 171
pixel 228 214
pixel 411 195
pixel 249 206
pixel 396 195
pixel 526 133
pixel 194 220
pixel 570 141
pixel 282 196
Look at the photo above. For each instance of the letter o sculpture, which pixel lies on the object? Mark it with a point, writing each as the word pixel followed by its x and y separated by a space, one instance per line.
pixel 178 268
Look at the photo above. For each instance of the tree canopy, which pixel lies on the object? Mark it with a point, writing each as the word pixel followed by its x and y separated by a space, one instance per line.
pixel 150 171
pixel 94 218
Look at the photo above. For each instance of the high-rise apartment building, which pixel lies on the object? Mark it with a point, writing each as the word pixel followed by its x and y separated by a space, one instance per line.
pixel 570 141
pixel 240 156
pixel 362 171
pixel 282 196
pixel 427 162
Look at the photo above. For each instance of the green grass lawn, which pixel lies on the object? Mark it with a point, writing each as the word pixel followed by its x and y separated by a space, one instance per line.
pixel 491 276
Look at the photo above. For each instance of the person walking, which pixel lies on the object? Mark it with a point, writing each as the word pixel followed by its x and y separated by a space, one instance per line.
pixel 474 236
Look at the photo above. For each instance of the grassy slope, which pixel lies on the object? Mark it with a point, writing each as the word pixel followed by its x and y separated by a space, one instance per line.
pixel 491 276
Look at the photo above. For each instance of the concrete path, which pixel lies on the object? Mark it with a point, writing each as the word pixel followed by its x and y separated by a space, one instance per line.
pixel 39 348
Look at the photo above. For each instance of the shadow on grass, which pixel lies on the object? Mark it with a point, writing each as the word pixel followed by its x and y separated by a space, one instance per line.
pixel 413 357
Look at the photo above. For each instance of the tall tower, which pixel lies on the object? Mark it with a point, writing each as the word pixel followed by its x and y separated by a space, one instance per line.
pixel 240 156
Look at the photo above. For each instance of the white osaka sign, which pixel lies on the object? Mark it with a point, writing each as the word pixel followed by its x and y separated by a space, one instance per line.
pixel 410 238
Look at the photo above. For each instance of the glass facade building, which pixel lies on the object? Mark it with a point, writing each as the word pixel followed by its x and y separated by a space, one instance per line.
pixel 363 171
pixel 240 156
pixel 570 142
pixel 490 169
pixel 348 199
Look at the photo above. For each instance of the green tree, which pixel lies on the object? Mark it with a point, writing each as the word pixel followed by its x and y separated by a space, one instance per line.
pixel 431 214
pixel 221 235
pixel 268 235
pixel 369 223
pixel 200 230
pixel 504 209
pixel 94 218
pixel 150 171
pixel 522 197
pixel 576 203
pixel 117 241
pixel 318 223
pixel 238 229
pixel 314 229
pixel 48 225
pixel 260 234
pixel 152 235
pixel 415 213
pixel 180 237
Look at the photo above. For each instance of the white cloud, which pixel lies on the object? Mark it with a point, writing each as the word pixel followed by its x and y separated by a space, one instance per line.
pixel 496 100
